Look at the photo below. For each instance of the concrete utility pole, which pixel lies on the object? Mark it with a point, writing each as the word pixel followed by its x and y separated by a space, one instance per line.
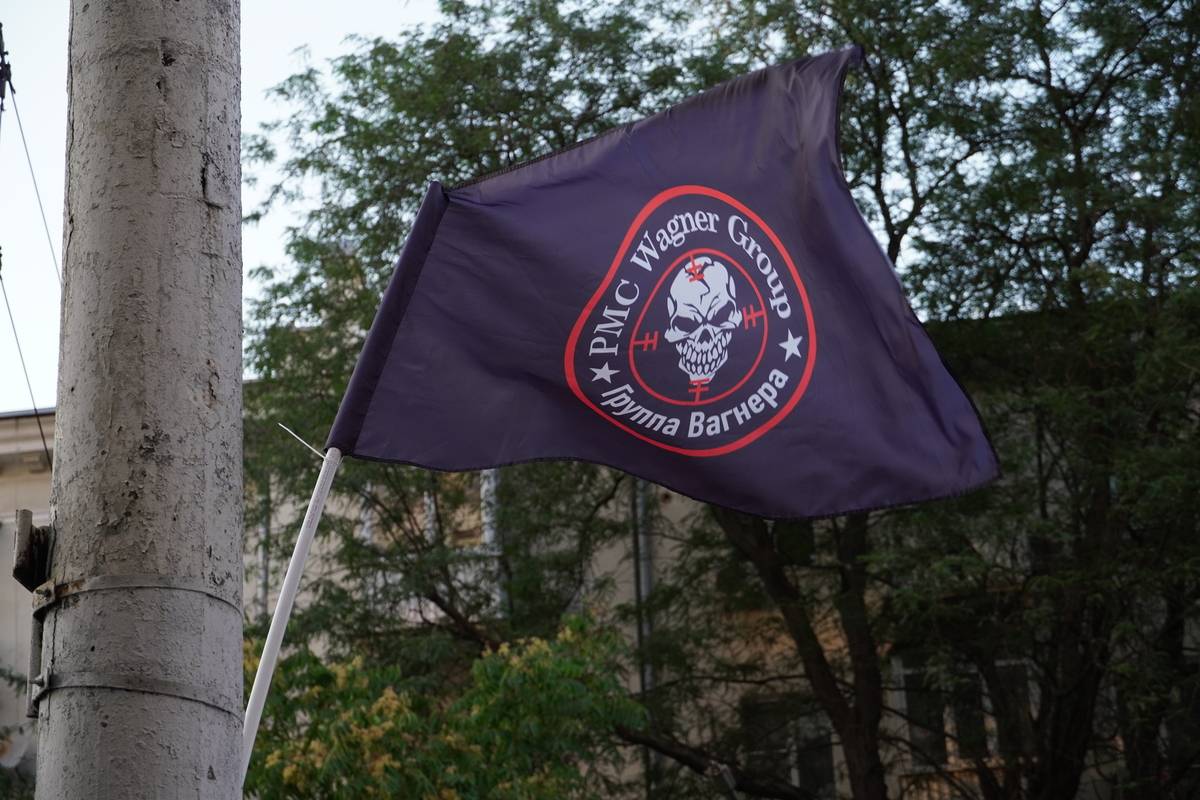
pixel 141 671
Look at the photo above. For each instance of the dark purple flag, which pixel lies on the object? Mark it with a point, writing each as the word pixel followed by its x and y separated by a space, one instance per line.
pixel 693 298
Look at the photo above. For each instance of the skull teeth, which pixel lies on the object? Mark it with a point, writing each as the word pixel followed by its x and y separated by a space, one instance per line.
pixel 701 359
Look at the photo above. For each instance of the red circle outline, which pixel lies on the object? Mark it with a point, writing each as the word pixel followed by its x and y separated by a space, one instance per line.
pixel 762 348
pixel 573 339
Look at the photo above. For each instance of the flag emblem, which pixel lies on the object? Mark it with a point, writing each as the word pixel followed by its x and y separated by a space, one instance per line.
pixel 690 298
pixel 700 338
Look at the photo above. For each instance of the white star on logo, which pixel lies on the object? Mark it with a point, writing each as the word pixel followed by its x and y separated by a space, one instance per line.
pixel 605 374
pixel 791 347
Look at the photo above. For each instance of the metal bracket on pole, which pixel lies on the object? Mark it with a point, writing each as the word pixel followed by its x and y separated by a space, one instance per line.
pixel 5 69
pixel 31 552
pixel 49 594
pixel 48 682
pixel 32 546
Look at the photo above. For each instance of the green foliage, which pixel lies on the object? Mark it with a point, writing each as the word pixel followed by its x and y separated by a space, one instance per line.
pixel 405 579
pixel 13 786
pixel 12 678
pixel 1032 169
pixel 533 722
pixel 490 85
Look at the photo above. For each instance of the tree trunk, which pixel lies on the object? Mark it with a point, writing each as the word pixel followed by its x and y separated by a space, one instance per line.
pixel 864 767
pixel 856 723
pixel 144 657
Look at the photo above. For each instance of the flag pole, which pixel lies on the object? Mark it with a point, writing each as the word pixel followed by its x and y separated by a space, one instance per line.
pixel 283 608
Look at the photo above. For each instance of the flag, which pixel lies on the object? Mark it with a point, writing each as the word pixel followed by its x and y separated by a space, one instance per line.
pixel 693 298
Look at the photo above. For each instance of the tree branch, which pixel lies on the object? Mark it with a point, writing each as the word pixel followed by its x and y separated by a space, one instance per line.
pixel 704 763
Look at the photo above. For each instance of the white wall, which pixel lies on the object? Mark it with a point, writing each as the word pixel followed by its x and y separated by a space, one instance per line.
pixel 24 483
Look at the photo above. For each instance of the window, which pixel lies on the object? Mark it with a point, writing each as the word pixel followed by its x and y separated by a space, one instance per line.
pixel 791 742
pixel 966 709
pixel 1014 677
pixel 1183 731
pixel 926 710
pixel 739 585
pixel 951 724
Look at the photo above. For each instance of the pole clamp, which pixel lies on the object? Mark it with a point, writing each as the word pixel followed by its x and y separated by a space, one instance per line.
pixel 49 594
pixel 48 682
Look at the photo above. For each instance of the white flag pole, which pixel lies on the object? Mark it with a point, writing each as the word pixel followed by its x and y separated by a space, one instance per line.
pixel 283 609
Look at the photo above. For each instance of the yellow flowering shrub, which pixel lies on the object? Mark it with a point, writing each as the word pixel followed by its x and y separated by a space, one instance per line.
pixel 533 711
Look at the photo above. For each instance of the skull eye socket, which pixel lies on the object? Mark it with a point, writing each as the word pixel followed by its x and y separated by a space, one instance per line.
pixel 686 324
pixel 721 313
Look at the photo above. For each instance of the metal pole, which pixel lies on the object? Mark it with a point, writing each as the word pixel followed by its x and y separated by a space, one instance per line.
pixel 283 608
pixel 140 691
pixel 489 481
pixel 642 585
pixel 264 591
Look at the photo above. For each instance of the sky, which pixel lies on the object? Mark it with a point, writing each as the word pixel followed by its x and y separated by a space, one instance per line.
pixel 35 35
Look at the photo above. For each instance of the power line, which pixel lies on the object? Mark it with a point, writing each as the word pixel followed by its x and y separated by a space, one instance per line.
pixel 5 72
pixel 28 384
pixel 6 81
pixel 33 177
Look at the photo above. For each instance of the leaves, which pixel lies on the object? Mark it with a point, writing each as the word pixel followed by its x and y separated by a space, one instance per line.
pixel 1032 170
pixel 528 715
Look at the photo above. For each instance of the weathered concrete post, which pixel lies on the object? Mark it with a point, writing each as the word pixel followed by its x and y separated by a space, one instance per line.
pixel 141 691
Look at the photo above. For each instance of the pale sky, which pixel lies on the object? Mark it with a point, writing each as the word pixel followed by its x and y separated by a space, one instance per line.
pixel 35 35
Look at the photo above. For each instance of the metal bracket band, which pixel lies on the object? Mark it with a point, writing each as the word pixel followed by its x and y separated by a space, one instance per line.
pixel 49 594
pixel 48 682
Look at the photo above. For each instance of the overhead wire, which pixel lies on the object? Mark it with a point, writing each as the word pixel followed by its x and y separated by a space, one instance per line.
pixel 36 192
pixel 6 80
pixel 28 384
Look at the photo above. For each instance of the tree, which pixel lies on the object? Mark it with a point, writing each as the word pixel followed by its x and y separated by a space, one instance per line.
pixel 1058 194
pixel 416 592
pixel 919 112
pixel 527 714
pixel 1081 227
pixel 13 784
pixel 1033 173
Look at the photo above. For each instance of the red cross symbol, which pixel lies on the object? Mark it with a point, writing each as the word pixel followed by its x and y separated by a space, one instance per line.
pixel 750 316
pixel 695 271
pixel 647 342
pixel 697 387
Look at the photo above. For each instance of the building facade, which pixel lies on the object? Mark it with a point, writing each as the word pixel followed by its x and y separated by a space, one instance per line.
pixel 24 483
pixel 785 735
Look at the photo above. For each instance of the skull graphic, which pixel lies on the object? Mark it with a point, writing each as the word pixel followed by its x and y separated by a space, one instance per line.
pixel 704 313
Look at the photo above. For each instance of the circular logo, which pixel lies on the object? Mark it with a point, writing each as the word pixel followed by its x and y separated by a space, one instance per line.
pixel 700 338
